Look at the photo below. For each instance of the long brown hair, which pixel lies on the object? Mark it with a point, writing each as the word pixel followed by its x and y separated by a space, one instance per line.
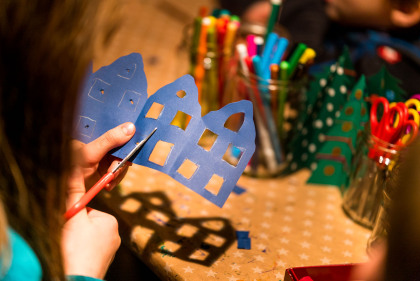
pixel 45 47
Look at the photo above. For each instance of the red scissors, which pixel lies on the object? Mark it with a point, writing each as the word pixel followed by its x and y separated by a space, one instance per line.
pixel 389 127
pixel 107 178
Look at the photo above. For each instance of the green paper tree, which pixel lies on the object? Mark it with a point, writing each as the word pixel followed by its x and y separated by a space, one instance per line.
pixel 386 85
pixel 333 160
pixel 325 97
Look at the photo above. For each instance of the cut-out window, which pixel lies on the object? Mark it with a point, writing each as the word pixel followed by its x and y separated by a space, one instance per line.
pixel 128 71
pixel 214 184
pixel 155 110
pixel 187 169
pixel 129 101
pixel 207 139
pixel 181 94
pixel 215 240
pixel 86 126
pixel 187 230
pixel 235 121
pixel 99 90
pixel 216 225
pixel 130 205
pixel 161 152
pixel 233 155
pixel 158 217
pixel 181 120
pixel 156 201
pixel 199 255
pixel 169 247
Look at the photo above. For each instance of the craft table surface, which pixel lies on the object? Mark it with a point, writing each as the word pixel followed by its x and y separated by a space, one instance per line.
pixel 180 235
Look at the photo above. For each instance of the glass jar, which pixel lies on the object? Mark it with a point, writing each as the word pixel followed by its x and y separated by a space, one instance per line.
pixel 276 104
pixel 371 169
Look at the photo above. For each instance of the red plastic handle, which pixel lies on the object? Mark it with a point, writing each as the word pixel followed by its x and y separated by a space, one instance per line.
pixel 107 178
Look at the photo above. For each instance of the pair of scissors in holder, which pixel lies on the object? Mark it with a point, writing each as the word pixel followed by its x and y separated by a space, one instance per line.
pixel 412 123
pixel 101 184
pixel 392 121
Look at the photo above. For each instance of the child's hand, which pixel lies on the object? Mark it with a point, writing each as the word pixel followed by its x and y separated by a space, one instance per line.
pixel 93 157
pixel 90 238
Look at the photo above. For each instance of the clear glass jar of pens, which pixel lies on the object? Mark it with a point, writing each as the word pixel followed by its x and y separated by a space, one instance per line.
pixel 275 102
pixel 372 169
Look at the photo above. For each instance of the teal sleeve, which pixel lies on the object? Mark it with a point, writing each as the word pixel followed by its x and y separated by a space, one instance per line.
pixel 24 264
pixel 81 278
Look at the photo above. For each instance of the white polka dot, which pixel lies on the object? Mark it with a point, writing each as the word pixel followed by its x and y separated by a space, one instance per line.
pixel 318 124
pixel 343 89
pixel 293 166
pixel 323 82
pixel 321 137
pixel 289 156
pixel 330 107
pixel 304 157
pixel 312 148
pixel 313 166
pixel 340 70
pixel 333 67
pixel 329 121
pixel 304 143
pixel 331 92
pixel 337 114
pixel 304 131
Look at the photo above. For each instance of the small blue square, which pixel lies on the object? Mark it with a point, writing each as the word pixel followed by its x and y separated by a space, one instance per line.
pixel 244 243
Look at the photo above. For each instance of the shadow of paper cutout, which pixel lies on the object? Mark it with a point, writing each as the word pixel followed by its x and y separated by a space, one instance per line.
pixel 212 238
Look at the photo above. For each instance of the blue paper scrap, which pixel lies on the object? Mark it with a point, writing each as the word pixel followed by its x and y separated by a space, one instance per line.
pixel 238 190
pixel 244 242
pixel 118 93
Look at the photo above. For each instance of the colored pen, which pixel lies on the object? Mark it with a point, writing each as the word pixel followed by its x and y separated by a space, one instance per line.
pixel 284 69
pixel 275 10
pixel 294 59
pixel 101 184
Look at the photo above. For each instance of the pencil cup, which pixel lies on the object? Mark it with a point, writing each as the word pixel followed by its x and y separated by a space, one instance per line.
pixel 273 117
pixel 371 171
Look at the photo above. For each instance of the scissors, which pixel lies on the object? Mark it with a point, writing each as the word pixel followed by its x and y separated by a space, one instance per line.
pixel 107 178
pixel 389 127
pixel 410 129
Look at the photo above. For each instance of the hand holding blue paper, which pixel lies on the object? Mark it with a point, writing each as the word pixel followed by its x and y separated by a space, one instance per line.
pixel 118 93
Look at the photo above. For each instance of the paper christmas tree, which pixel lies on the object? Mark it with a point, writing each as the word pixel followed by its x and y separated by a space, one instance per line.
pixel 325 97
pixel 334 159
pixel 118 93
pixel 386 85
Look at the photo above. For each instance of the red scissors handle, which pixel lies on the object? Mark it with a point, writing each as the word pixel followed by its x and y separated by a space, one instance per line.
pixel 88 196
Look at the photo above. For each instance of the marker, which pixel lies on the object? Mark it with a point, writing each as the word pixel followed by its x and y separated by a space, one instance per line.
pixel 284 69
pixel 275 9
pixel 294 59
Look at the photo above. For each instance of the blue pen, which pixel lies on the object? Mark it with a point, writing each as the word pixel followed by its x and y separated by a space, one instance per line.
pixel 282 44
pixel 267 53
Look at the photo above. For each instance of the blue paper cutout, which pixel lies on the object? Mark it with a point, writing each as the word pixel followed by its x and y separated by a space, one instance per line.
pixel 244 242
pixel 238 190
pixel 118 93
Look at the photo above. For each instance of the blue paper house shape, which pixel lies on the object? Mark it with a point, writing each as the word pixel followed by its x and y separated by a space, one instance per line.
pixel 117 93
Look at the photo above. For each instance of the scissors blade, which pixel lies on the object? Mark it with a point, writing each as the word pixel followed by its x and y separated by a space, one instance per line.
pixel 133 151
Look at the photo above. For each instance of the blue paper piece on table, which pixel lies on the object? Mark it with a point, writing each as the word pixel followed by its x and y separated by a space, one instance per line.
pixel 118 93
pixel 244 242
pixel 238 190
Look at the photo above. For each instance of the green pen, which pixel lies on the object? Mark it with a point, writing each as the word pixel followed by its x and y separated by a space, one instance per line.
pixel 275 9
pixel 294 59
pixel 284 84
